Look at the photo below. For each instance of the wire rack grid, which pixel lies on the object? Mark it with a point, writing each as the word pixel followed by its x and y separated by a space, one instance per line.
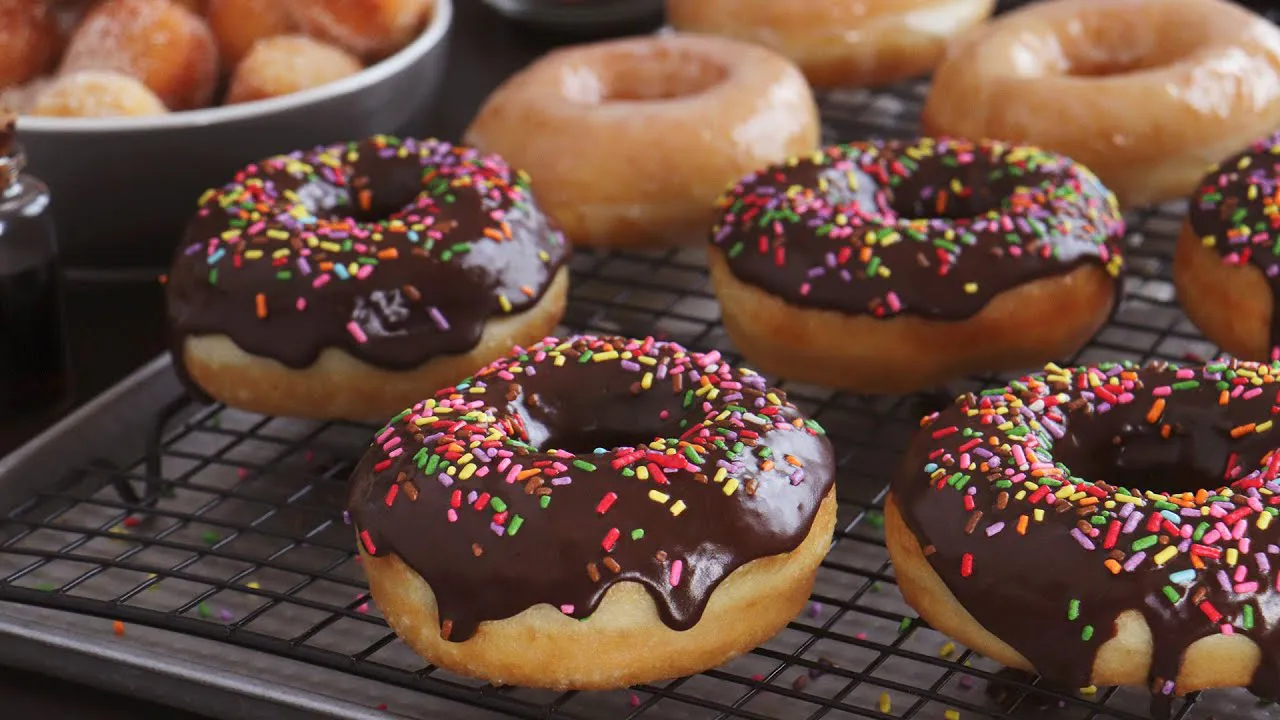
pixel 230 527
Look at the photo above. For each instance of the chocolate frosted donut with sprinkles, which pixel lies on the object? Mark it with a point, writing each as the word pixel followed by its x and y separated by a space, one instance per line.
pixel 1227 264
pixel 894 266
pixel 344 281
pixel 1103 525
pixel 594 512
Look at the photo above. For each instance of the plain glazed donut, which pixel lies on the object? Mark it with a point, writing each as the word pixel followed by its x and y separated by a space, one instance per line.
pixel 839 43
pixel 892 267
pixel 339 282
pixel 1147 93
pixel 1226 268
pixel 1108 525
pixel 594 513
pixel 631 140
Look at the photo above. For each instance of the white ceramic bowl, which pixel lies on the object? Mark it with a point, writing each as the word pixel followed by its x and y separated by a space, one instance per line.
pixel 123 188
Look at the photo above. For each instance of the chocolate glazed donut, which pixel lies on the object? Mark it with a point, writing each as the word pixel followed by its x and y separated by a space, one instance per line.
pixel 561 474
pixel 1103 525
pixel 942 256
pixel 396 253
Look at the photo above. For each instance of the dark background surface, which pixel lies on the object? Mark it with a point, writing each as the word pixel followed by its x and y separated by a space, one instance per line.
pixel 117 322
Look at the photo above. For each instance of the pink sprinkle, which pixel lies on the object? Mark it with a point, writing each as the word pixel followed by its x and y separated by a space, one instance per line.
pixel 1185 374
pixel 242 473
pixel 382 436
pixel 452 515
pixel 396 453
pixel 634 700
pixel 894 303
pixel 677 569
pixel 1241 571
pixel 566 609
pixel 356 332
pixel 515 470
pixel 386 447
pixel 1227 629
pixel 364 272
pixel 301 304
pixel 1248 587
pixel 320 281
pixel 1162 391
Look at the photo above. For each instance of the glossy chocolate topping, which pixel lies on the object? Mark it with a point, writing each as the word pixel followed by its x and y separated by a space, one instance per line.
pixel 394 251
pixel 1236 211
pixel 557 472
pixel 1050 507
pixel 935 229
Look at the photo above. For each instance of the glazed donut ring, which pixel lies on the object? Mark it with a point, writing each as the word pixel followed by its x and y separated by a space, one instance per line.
pixel 1147 93
pixel 338 282
pixel 894 266
pixel 1108 525
pixel 839 43
pixel 499 545
pixel 631 140
pixel 1225 267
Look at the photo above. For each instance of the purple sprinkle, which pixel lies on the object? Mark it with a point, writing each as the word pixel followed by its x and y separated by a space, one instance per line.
pixel 438 318
pixel 1085 542
pixel 447 481
pixel 998 526
pixel 346 517
pixel 1135 560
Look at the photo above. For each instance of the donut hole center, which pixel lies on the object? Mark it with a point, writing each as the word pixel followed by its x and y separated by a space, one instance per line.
pixel 1106 65
pixel 594 413
pixel 371 194
pixel 664 74
pixel 1135 454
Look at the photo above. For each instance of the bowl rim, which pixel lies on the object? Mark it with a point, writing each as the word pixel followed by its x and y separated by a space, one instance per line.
pixel 441 21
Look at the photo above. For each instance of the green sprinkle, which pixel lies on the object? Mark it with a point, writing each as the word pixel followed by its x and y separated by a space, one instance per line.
pixel 1186 385
pixel 432 463
pixel 905 625
pixel 1144 543
pixel 1073 610
pixel 692 454
pixel 203 610
pixel 1246 622
pixel 874 518
pixel 585 356
pixel 513 527
pixel 1171 593
pixel 44 587
pixel 1087 634
pixel 210 537
pixel 497 504
pixel 637 533
pixel 544 501
pixel 584 465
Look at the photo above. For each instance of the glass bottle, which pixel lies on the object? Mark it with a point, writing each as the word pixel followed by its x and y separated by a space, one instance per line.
pixel 34 356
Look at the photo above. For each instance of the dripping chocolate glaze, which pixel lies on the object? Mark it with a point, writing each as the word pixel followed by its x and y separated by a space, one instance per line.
pixel 470 234
pixel 933 229
pixel 1235 210
pixel 762 504
pixel 1021 586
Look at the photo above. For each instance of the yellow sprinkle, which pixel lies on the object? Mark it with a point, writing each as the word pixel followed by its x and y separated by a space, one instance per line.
pixel 252 585
pixel 947 650
pixel 1264 521
pixel 1262 427
pixel 647 360
pixel 1166 555
pixel 678 507
pixel 601 357
pixel 951 715
pixel 1064 492
pixel 730 486
pixel 1233 556
pixel 1039 514
pixel 1089 691
pixel 971 288
pixel 719 476
pixel 656 496
pixel 646 382
pixel 559 361
pixel 466 459
pixel 467 471
pixel 252 254
pixel 642 472
pixel 452 470
pixel 1121 497
pixel 504 303
pixel 885 705
pixel 773 398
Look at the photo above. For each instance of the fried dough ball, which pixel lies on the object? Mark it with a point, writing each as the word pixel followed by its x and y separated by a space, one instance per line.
pixel 97 93
pixel 287 64
pixel 369 28
pixel 163 44
pixel 29 40
pixel 238 24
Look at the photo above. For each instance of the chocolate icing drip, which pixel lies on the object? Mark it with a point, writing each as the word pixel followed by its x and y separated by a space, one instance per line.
pixel 496 493
pixel 1050 507
pixel 1235 210
pixel 394 251
pixel 935 228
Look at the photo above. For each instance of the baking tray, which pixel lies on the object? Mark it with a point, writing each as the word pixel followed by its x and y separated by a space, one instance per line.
pixel 197 555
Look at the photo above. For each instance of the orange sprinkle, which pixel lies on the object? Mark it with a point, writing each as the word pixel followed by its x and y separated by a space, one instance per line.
pixel 493 233
pixel 526 474
pixel 1023 521
pixel 766 466
pixel 528 291
pixel 1157 409
pixel 388 254
pixel 1115 567
pixel 941 204
pixel 1086 502
pixel 366 199
pixel 1242 430
pixel 117 627
pixel 1223 397
pixel 261 301
pixel 794 460
pixel 506 229
pixel 1166 431
pixel 1196 562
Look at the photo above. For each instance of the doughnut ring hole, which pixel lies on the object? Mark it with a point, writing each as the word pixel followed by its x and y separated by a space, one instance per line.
pixel 1102 42
pixel 623 75
pixel 1189 449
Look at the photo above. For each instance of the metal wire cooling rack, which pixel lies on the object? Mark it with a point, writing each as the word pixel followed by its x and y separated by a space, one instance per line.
pixel 216 558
